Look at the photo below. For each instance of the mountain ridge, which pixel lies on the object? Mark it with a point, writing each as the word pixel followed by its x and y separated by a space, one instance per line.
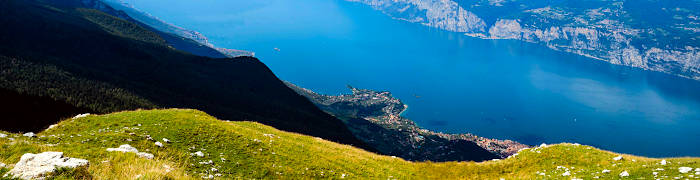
pixel 54 49
pixel 617 32
pixel 169 28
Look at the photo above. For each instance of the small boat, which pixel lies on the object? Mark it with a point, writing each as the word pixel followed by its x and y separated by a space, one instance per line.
pixel 277 49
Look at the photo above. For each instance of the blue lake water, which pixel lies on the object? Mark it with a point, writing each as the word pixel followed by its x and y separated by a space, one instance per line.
pixel 493 88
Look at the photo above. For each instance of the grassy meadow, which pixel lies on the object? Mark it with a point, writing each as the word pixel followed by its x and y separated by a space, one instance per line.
pixel 247 150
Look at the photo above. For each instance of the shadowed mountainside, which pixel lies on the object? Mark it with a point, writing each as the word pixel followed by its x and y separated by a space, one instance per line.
pixel 32 113
pixel 95 61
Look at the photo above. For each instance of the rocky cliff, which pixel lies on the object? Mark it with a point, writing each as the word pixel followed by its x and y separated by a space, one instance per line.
pixel 652 35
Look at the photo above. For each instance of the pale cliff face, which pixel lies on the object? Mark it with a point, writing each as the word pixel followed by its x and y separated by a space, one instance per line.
pixel 443 14
pixel 604 30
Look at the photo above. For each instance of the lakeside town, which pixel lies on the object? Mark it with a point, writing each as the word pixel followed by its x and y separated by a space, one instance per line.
pixel 382 109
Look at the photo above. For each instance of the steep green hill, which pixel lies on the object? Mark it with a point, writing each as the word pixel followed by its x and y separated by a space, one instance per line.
pixel 95 61
pixel 252 150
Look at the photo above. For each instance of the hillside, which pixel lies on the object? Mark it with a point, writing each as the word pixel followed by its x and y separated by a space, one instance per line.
pixel 182 39
pixel 647 34
pixel 100 63
pixel 252 150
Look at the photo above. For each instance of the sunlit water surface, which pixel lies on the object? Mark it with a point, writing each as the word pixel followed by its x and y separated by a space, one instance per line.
pixel 494 88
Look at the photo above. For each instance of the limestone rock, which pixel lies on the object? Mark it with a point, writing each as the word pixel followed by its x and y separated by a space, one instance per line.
pixel 124 148
pixel 33 166
pixel 145 155
pixel 81 115
pixel 684 169
pixel 29 134
pixel 128 149
pixel 624 174
pixel 617 158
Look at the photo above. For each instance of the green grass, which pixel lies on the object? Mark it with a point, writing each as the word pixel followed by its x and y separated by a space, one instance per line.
pixel 252 150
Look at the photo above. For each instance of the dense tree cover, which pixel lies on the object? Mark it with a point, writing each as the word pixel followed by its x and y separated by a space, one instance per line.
pixel 59 52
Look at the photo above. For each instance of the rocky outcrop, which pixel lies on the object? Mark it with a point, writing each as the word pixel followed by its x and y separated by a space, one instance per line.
pixel 37 166
pixel 125 148
pixel 443 14
pixel 602 30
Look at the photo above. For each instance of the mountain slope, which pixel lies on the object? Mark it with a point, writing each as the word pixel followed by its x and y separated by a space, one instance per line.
pixel 653 35
pixel 185 37
pixel 248 150
pixel 51 49
pixel 184 41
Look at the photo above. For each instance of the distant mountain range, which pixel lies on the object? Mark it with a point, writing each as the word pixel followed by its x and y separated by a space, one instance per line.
pixel 654 35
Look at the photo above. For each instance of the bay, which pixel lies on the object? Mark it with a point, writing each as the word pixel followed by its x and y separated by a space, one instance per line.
pixel 452 83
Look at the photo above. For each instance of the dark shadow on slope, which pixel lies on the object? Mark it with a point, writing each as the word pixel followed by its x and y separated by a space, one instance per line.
pixel 410 147
pixel 27 113
pixel 232 89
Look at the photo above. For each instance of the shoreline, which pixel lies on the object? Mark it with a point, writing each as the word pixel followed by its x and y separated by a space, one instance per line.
pixel 390 116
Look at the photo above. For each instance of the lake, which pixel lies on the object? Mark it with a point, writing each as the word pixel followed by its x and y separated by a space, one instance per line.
pixel 452 83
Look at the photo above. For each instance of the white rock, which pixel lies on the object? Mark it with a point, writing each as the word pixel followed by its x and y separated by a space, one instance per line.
pixel 567 173
pixel 159 144
pixel 663 162
pixel 34 166
pixel 29 134
pixel 51 127
pixel 543 145
pixel 2 165
pixel 214 170
pixel 198 153
pixel 684 169
pixel 145 155
pixel 207 162
pixel 167 168
pixel 166 140
pixel 697 169
pixel 606 171
pixel 617 158
pixel 81 115
pixel 655 173
pixel 3 135
pixel 624 174
pixel 124 148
